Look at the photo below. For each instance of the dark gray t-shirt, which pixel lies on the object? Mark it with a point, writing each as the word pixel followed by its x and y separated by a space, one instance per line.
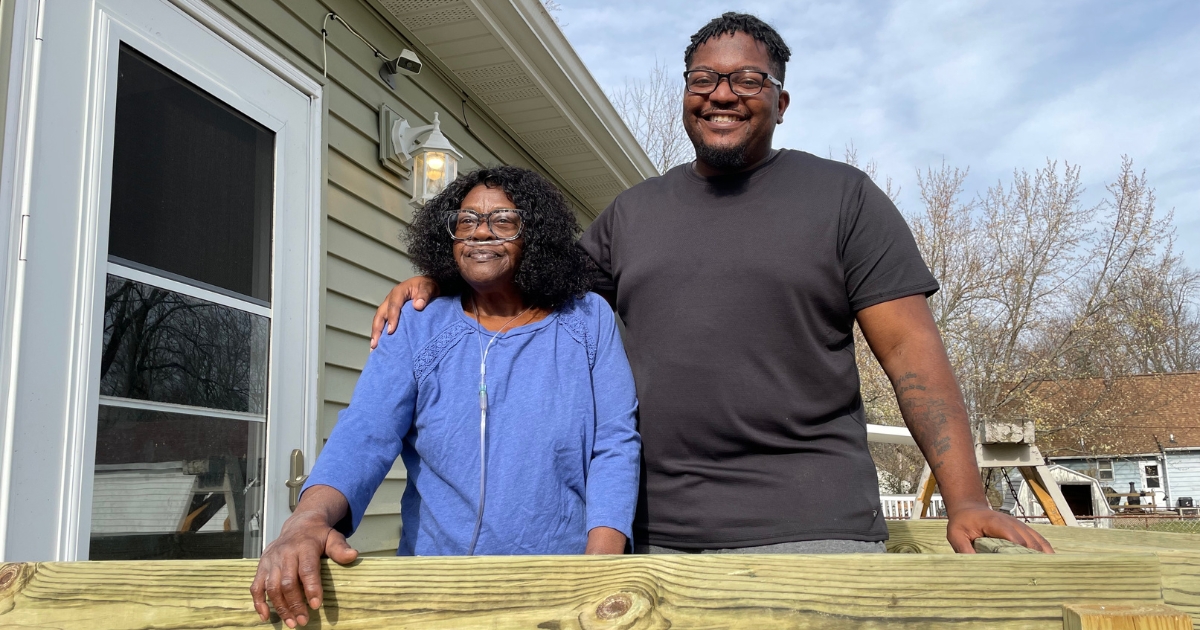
pixel 738 295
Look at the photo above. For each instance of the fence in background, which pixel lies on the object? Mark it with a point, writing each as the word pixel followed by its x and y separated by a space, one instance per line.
pixel 897 507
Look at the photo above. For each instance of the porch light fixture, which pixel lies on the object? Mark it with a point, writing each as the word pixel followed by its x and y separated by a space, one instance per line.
pixel 434 161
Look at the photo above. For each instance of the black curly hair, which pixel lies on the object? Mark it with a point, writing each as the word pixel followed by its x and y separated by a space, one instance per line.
pixel 732 22
pixel 553 267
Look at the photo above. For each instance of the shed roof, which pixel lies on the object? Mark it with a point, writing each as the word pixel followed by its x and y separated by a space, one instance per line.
pixel 1120 416
pixel 512 59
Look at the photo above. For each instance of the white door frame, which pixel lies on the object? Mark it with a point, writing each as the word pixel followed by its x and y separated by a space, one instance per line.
pixel 50 424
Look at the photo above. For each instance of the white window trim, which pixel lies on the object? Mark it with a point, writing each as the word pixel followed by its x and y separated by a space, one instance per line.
pixel 186 288
pixel 187 410
pixel 1146 477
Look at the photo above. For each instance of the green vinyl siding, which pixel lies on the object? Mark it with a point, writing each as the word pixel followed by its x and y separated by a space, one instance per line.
pixel 366 206
pixel 6 43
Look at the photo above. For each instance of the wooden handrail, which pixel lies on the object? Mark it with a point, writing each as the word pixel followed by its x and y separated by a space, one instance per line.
pixel 918 590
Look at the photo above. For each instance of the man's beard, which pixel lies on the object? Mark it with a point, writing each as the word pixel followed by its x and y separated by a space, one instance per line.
pixel 722 158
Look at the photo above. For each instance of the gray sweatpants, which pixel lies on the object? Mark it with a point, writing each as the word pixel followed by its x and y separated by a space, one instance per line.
pixel 802 546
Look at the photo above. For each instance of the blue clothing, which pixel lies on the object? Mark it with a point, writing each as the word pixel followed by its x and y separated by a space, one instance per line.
pixel 563 450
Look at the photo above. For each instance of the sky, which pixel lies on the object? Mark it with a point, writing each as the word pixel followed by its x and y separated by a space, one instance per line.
pixel 990 85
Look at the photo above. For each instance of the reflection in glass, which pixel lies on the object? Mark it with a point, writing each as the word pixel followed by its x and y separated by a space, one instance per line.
pixel 192 182
pixel 176 486
pixel 167 347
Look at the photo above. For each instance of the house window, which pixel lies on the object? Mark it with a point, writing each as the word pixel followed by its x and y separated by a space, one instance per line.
pixel 180 440
pixel 1152 476
pixel 1105 470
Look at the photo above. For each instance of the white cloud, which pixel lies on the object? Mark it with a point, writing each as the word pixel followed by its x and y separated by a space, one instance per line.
pixel 991 85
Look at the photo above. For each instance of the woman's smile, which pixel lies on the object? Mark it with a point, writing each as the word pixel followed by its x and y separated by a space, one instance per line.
pixel 482 254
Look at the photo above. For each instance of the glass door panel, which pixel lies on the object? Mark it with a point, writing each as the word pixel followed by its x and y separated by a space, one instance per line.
pixel 193 183
pixel 170 485
pixel 167 347
pixel 182 421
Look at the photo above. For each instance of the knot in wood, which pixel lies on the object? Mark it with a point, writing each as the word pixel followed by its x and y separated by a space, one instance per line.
pixel 8 573
pixel 614 606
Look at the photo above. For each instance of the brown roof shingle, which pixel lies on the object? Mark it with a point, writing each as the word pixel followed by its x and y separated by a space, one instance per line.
pixel 1093 416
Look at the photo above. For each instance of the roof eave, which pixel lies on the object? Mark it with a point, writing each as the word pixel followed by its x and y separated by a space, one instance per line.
pixel 568 77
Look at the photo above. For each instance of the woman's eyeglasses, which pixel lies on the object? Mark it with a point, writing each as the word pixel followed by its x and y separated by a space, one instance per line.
pixel 504 224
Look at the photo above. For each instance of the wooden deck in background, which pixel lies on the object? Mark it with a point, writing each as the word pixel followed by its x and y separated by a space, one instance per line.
pixel 925 589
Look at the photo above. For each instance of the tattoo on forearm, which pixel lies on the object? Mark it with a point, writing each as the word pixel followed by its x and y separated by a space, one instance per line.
pixel 903 385
pixel 927 416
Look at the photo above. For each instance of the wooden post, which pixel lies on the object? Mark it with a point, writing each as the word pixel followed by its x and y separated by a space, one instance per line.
pixel 1048 494
pixel 1124 617
pixel 925 487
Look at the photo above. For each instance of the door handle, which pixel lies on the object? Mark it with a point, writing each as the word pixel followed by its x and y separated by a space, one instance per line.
pixel 296 478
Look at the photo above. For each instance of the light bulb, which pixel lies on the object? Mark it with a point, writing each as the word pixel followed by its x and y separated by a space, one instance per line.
pixel 435 161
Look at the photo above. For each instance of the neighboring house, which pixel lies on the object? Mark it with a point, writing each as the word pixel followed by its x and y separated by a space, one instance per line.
pixel 198 224
pixel 1139 432
pixel 1084 494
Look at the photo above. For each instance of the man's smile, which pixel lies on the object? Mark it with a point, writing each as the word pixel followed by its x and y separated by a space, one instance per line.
pixel 723 120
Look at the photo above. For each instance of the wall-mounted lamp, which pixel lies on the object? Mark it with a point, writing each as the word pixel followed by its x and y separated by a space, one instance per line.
pixel 434 160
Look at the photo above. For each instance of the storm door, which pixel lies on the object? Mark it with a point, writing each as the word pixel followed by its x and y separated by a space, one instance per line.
pixel 166 333
pixel 183 370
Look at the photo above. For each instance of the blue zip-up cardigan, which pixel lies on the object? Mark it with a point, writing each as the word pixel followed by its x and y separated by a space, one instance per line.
pixel 562 445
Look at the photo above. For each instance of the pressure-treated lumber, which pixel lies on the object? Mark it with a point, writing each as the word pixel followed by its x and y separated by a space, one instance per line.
pixel 710 591
pixel 929 536
pixel 1179 554
pixel 999 545
pixel 1123 617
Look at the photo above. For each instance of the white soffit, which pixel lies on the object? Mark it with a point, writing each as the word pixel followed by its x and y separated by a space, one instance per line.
pixel 514 60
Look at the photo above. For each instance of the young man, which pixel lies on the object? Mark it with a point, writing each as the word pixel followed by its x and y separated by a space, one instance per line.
pixel 739 278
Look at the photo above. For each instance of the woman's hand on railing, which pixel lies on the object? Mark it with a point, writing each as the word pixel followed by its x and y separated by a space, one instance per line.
pixel 289 572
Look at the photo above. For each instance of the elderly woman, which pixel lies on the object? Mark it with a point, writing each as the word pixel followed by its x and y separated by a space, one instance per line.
pixel 509 399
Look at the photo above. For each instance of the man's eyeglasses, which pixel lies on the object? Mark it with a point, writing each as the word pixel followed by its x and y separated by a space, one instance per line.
pixel 504 224
pixel 741 82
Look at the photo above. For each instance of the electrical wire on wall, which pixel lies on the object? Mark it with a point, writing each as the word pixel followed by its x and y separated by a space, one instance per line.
pixel 325 37
pixel 390 68
pixel 464 111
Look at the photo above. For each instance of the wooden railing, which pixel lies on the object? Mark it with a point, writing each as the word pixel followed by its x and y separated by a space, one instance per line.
pixel 919 586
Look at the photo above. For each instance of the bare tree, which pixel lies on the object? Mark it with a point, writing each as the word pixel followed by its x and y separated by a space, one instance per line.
pixel 1156 316
pixel 552 9
pixel 653 110
pixel 1039 291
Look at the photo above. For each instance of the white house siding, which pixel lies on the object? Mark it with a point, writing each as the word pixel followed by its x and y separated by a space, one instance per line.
pixel 1183 474
pixel 1129 470
pixel 6 36
pixel 366 206
pixel 1125 470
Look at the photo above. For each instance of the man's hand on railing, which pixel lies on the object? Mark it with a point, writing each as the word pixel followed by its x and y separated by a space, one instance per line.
pixel 289 572
pixel 419 289
pixel 968 524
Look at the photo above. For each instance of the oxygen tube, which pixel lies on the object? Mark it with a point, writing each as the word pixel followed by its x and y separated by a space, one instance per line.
pixel 483 354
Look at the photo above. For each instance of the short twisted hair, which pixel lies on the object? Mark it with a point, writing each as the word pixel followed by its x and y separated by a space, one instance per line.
pixel 730 23
pixel 553 268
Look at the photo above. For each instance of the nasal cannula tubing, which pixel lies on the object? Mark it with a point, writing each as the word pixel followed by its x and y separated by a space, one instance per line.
pixel 483 352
